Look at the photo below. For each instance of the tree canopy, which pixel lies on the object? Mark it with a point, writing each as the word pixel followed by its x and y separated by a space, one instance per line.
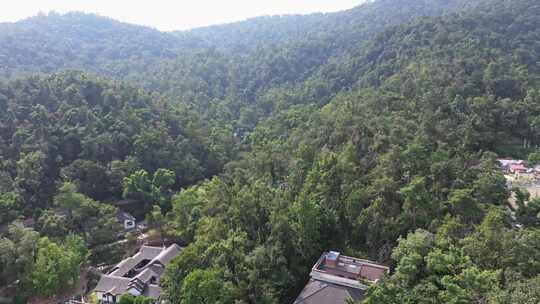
pixel 259 145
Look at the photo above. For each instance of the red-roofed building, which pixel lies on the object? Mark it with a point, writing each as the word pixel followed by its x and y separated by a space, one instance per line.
pixel 518 168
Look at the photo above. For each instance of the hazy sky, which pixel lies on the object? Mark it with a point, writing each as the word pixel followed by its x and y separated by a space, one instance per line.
pixel 171 14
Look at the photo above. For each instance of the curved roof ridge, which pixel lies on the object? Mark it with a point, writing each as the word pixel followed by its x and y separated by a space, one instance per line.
pixel 166 255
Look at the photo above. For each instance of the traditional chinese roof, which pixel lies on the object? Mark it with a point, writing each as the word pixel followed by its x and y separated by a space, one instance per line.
pixel 140 272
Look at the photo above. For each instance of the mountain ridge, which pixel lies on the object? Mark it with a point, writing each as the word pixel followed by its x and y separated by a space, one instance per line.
pixel 63 38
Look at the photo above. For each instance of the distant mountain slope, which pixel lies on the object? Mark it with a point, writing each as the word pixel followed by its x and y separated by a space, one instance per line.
pixel 48 43
pixel 233 74
pixel 345 28
pixel 245 67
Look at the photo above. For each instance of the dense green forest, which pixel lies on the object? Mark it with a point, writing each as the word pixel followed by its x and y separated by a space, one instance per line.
pixel 259 145
pixel 233 73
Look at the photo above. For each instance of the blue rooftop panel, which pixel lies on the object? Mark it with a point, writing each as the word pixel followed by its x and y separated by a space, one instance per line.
pixel 332 255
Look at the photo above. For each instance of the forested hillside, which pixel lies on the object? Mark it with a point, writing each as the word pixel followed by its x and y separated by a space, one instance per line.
pixel 230 72
pixel 247 71
pixel 69 142
pixel 398 168
pixel 50 43
pixel 339 31
pixel 259 145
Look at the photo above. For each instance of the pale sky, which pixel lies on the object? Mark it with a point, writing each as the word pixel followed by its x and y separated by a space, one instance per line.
pixel 170 14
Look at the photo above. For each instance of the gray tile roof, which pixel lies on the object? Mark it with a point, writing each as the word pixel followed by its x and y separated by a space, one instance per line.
pixel 318 292
pixel 167 255
pixel 153 291
pixel 145 253
pixel 129 275
pixel 113 285
pixel 149 272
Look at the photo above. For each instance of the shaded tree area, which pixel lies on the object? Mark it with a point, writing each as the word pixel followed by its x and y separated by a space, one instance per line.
pixel 38 265
pixel 80 129
pixel 72 144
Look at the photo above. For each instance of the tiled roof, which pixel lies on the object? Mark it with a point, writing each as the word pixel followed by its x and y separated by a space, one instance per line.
pixel 153 291
pixel 149 272
pixel 145 253
pixel 318 292
pixel 129 275
pixel 113 285
pixel 518 167
pixel 166 255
